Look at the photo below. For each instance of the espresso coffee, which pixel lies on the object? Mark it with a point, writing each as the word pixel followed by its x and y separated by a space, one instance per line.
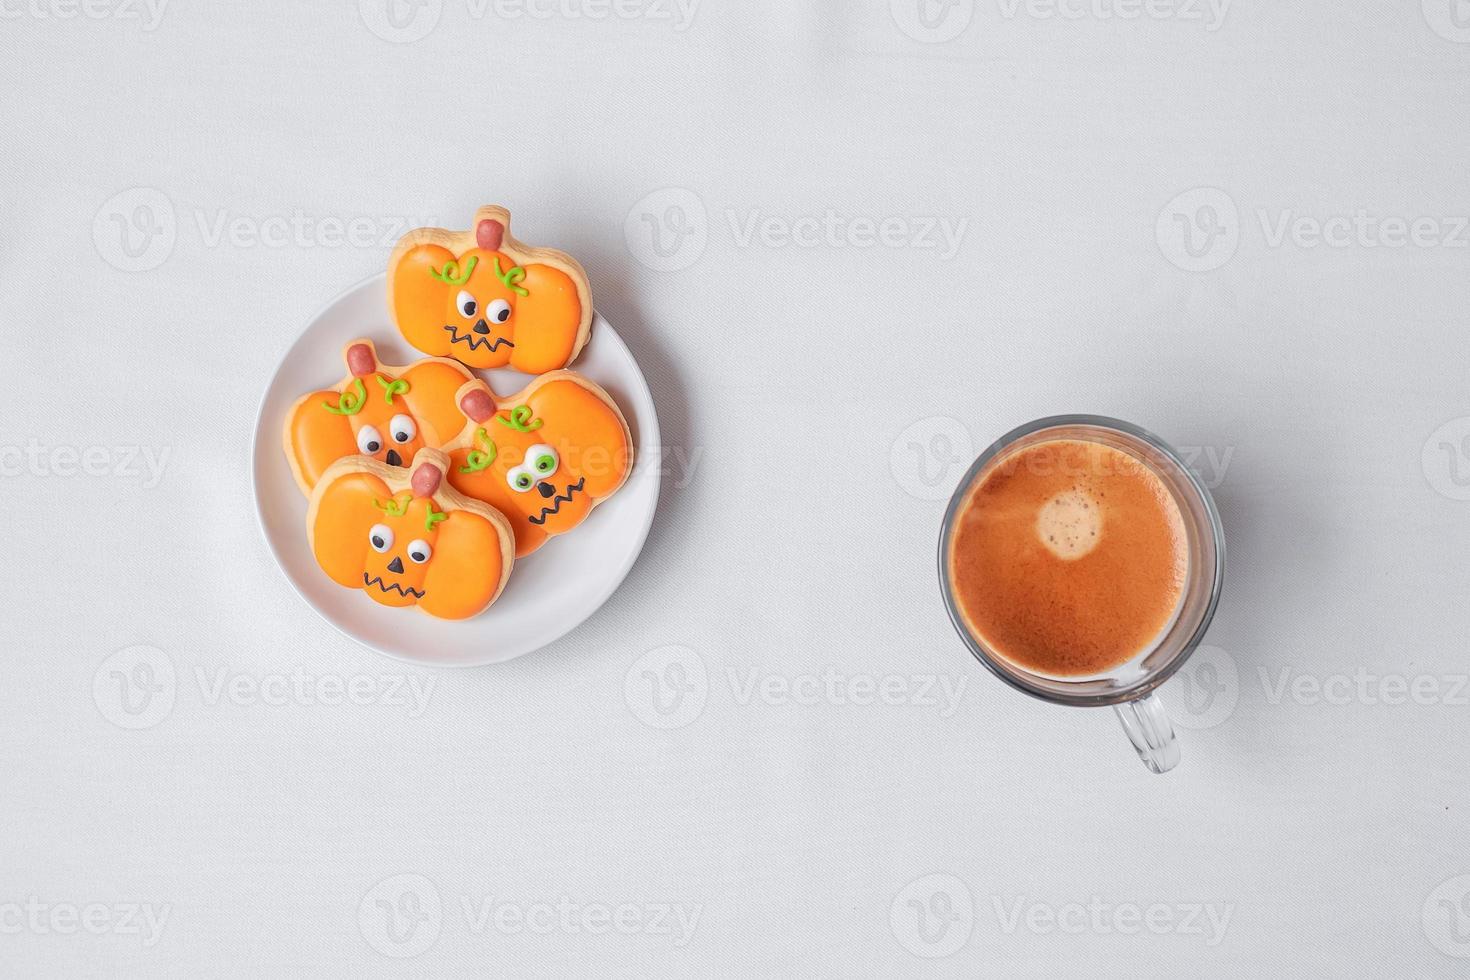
pixel 1068 558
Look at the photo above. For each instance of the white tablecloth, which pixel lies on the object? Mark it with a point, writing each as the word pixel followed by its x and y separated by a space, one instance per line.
pixel 850 244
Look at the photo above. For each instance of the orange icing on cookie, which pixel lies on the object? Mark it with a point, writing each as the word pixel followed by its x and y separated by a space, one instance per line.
pixel 488 300
pixel 544 456
pixel 416 402
pixel 406 538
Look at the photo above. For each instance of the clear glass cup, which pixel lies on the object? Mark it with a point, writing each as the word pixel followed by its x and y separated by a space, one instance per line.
pixel 1131 687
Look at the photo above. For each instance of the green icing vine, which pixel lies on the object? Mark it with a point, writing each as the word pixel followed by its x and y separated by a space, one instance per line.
pixel 512 278
pixel 393 506
pixel 350 401
pixel 397 386
pixel 478 459
pixel 520 419
pixel 433 517
pixel 451 273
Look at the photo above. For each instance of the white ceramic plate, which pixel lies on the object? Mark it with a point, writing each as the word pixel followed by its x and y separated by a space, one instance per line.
pixel 550 592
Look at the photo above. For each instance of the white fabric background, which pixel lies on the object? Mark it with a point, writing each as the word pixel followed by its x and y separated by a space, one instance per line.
pixel 798 378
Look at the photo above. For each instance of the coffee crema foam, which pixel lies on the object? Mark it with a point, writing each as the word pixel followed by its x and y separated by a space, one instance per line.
pixel 1069 524
pixel 1068 558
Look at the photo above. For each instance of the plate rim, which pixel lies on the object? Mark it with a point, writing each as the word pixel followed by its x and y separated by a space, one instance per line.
pixel 649 439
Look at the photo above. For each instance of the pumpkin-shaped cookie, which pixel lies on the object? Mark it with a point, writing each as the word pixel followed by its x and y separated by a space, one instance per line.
pixel 543 457
pixel 385 412
pixel 488 300
pixel 406 538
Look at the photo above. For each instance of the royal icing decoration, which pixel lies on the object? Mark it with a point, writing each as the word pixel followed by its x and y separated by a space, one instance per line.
pixel 406 538
pixel 378 410
pixel 488 300
pixel 544 456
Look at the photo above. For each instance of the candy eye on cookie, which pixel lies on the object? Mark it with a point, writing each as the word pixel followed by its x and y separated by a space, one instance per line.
pixel 542 460
pixel 380 536
pixel 369 440
pixel 519 479
pixel 402 429
pixel 540 464
pixel 466 305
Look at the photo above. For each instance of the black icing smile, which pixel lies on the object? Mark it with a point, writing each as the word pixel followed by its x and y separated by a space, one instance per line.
pixel 557 501
pixel 390 586
pixel 476 342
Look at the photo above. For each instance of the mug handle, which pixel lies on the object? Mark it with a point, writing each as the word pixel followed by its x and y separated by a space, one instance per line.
pixel 1148 728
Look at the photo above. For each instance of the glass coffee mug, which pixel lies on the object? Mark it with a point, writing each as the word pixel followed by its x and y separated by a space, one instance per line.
pixel 1130 687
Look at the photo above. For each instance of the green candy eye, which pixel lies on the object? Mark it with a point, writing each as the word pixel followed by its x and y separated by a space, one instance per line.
pixel 542 459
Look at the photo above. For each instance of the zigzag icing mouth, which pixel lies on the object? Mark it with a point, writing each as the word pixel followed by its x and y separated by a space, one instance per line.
pixel 476 342
pixel 557 501
pixel 391 586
